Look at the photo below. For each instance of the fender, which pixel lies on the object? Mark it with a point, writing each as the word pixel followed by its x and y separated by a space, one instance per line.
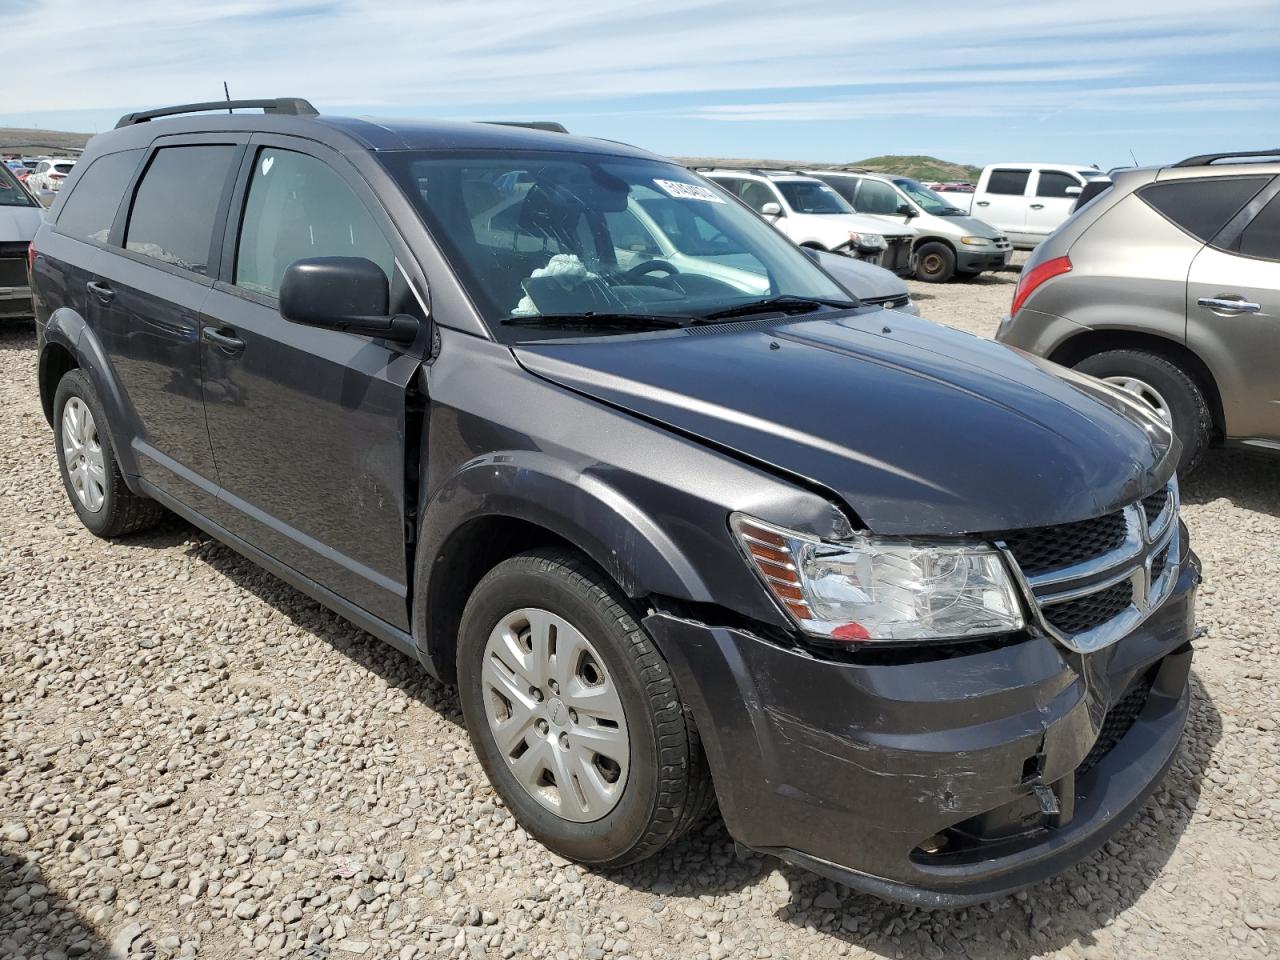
pixel 578 506
pixel 69 330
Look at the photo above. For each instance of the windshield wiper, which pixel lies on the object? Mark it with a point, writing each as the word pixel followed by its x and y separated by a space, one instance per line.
pixel 651 321
pixel 780 304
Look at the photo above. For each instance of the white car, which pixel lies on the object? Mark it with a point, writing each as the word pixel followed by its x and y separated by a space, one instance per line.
pixel 1026 201
pixel 815 216
pixel 20 218
pixel 50 174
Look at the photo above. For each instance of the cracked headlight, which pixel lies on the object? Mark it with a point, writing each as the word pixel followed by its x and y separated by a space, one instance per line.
pixel 872 588
pixel 867 241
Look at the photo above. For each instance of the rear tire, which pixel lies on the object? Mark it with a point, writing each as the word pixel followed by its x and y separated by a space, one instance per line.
pixel 935 263
pixel 1160 382
pixel 638 796
pixel 86 459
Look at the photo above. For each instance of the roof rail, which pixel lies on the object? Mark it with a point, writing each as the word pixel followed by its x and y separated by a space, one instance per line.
pixel 755 168
pixel 550 126
pixel 1205 159
pixel 289 106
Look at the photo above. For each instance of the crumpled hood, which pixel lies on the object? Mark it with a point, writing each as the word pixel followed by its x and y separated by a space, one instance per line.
pixel 919 428
pixel 19 223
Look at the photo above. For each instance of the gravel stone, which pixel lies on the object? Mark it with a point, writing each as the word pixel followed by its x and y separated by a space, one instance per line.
pixel 167 709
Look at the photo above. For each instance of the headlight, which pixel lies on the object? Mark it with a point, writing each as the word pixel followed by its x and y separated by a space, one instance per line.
pixel 867 241
pixel 869 588
pixel 976 241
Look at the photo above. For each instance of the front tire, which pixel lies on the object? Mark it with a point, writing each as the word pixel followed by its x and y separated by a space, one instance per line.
pixel 90 473
pixel 935 263
pixel 1166 388
pixel 574 713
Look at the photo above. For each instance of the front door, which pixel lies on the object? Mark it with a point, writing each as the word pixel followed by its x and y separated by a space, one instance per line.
pixel 147 300
pixel 309 425
pixel 1233 321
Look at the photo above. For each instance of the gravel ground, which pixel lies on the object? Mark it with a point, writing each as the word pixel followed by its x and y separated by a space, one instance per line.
pixel 197 760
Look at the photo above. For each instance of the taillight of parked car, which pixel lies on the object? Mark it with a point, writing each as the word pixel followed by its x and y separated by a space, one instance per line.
pixel 31 261
pixel 1033 278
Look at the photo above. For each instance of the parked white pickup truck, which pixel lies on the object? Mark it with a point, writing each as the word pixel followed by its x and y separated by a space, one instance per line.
pixel 1026 201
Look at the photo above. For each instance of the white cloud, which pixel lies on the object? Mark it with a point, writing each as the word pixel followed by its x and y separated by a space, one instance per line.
pixel 486 57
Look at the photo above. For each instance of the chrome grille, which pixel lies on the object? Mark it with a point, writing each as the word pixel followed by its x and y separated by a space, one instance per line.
pixel 1089 583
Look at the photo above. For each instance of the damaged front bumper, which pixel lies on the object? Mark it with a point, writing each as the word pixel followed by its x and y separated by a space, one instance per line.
pixel 936 782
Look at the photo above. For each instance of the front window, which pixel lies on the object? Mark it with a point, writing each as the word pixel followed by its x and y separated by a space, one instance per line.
pixel 593 242
pixel 926 199
pixel 812 196
pixel 12 193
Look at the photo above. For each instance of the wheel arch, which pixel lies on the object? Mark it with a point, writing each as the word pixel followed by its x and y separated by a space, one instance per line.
pixel 932 238
pixel 1089 342
pixel 503 504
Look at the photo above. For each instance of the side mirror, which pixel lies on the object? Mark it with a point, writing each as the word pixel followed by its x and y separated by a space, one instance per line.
pixel 906 210
pixel 1073 191
pixel 342 293
pixel 771 209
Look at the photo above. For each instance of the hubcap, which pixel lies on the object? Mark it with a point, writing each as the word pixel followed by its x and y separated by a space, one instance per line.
pixel 1144 392
pixel 555 714
pixel 932 263
pixel 82 454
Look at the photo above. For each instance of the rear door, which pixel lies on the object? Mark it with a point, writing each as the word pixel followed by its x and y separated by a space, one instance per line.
pixel 309 425
pixel 147 294
pixel 1233 316
pixel 1004 203
pixel 1051 202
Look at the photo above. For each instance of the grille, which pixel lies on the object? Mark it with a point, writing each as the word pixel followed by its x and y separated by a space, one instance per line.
pixel 891 302
pixel 1118 721
pixel 1159 563
pixel 13 273
pixel 1154 505
pixel 1048 548
pixel 898 254
pixel 1092 610
pixel 16 249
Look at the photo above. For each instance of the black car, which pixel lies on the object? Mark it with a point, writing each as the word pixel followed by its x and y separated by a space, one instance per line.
pixel 683 522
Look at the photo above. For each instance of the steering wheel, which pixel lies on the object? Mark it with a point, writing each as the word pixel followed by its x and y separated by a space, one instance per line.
pixel 650 267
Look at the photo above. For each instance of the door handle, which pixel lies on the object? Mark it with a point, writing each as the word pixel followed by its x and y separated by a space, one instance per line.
pixel 1037 206
pixel 223 339
pixel 1229 304
pixel 984 203
pixel 101 290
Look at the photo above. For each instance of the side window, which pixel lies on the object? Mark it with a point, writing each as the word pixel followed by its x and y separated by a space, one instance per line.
pixel 845 186
pixel 174 209
pixel 298 207
pixel 756 194
pixel 876 197
pixel 1054 183
pixel 1009 182
pixel 1261 238
pixel 87 214
pixel 1202 207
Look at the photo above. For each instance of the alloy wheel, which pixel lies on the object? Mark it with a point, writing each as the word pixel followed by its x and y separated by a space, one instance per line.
pixel 555 714
pixel 1144 392
pixel 82 454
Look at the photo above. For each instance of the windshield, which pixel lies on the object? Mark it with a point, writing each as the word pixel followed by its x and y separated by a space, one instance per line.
pixel 926 199
pixel 12 193
pixel 584 236
pixel 812 196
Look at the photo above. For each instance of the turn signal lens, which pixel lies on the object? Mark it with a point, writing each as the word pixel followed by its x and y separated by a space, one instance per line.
pixel 1033 278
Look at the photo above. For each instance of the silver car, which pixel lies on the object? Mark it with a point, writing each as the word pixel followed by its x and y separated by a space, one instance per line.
pixel 20 217
pixel 1167 285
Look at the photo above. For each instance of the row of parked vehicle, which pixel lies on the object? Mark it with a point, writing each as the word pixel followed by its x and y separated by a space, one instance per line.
pixel 687 522
pixel 40 174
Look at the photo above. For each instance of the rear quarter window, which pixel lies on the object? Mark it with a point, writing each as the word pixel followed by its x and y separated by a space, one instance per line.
pixel 87 214
pixel 1202 207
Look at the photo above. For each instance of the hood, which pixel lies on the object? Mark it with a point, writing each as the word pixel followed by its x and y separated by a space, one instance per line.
pixel 970 226
pixel 918 428
pixel 19 223
pixel 860 223
pixel 866 281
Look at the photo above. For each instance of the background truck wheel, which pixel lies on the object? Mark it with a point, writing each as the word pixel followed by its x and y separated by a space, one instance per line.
pixel 88 465
pixel 1166 388
pixel 935 263
pixel 574 713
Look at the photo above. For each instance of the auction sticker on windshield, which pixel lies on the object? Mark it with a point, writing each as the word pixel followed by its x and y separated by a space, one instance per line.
pixel 689 191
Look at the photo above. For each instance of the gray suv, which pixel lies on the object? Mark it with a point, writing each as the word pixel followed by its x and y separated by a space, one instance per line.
pixel 1167 284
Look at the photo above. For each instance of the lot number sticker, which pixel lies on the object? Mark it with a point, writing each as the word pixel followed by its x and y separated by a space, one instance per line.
pixel 689 191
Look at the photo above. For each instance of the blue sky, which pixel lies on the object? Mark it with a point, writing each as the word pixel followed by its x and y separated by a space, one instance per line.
pixel 1085 81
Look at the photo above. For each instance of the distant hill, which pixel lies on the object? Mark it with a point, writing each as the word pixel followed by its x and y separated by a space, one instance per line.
pixel 20 140
pixel 921 168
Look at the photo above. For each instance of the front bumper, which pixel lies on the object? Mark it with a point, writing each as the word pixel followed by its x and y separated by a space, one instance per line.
pixel 974 260
pixel 847 768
